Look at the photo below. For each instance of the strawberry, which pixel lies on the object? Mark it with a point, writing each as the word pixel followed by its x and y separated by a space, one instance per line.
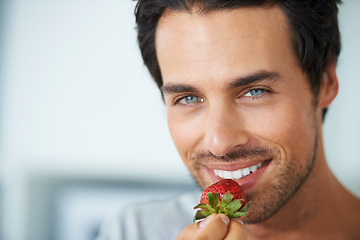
pixel 225 196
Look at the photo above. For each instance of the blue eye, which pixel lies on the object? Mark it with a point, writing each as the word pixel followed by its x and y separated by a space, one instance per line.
pixel 254 92
pixel 191 99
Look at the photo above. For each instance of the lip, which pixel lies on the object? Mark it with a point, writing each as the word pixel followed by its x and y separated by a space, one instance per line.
pixel 247 183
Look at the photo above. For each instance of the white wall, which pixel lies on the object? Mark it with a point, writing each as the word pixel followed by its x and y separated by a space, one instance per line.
pixel 77 101
pixel 75 92
pixel 342 126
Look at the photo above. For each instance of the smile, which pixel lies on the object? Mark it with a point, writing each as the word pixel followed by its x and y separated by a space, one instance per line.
pixel 243 172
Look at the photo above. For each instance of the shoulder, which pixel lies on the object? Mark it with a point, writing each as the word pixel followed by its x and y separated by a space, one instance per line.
pixel 154 220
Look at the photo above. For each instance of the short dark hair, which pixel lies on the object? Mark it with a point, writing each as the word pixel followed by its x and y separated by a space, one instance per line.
pixel 314 25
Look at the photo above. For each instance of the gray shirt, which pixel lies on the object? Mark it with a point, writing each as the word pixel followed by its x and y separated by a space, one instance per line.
pixel 162 220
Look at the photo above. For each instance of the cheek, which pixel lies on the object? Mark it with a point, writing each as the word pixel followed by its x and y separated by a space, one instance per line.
pixel 289 125
pixel 185 134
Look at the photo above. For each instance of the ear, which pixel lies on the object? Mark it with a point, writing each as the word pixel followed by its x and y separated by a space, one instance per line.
pixel 329 85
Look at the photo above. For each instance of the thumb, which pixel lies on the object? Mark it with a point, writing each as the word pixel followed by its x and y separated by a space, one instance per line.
pixel 237 230
pixel 214 227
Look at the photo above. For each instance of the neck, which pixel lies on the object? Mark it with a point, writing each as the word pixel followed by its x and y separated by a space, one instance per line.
pixel 321 209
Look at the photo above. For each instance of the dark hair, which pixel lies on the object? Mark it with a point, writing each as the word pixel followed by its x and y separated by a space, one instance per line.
pixel 314 25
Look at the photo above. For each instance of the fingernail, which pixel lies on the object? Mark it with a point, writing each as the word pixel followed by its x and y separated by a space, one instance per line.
pixel 239 220
pixel 204 222
pixel 225 219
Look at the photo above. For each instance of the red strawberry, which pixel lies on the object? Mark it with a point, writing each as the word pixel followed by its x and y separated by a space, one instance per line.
pixel 225 196
pixel 222 187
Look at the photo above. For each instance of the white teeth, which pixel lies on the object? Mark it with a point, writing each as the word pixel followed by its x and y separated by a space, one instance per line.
pixel 245 171
pixel 253 168
pixel 228 175
pixel 238 173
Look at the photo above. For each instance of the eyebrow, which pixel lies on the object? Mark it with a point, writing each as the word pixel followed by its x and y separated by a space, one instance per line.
pixel 238 82
pixel 254 78
pixel 177 88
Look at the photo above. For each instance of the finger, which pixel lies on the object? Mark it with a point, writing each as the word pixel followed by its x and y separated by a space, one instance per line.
pixel 214 227
pixel 189 232
pixel 236 230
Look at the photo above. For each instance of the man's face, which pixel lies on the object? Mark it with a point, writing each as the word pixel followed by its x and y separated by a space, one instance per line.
pixel 238 104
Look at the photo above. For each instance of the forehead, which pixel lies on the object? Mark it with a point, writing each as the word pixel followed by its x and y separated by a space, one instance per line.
pixel 222 43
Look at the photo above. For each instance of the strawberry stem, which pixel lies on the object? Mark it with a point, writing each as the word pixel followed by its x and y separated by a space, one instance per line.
pixel 232 208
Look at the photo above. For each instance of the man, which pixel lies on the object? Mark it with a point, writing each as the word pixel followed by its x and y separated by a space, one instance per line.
pixel 247 83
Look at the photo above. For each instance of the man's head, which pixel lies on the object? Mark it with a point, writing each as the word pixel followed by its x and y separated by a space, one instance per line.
pixel 238 99
pixel 313 28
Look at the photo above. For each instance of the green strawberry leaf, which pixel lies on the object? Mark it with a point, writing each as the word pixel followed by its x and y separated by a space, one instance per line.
pixel 234 205
pixel 216 199
pixel 204 207
pixel 226 199
pixel 198 216
pixel 238 214
pixel 201 214
pixel 246 207
pixel 211 199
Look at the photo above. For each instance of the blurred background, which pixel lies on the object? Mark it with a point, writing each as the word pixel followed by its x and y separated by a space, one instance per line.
pixel 83 127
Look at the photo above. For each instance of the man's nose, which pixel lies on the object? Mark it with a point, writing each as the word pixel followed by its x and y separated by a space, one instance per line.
pixel 225 131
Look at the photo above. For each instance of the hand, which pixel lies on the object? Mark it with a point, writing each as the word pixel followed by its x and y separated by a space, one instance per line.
pixel 214 227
